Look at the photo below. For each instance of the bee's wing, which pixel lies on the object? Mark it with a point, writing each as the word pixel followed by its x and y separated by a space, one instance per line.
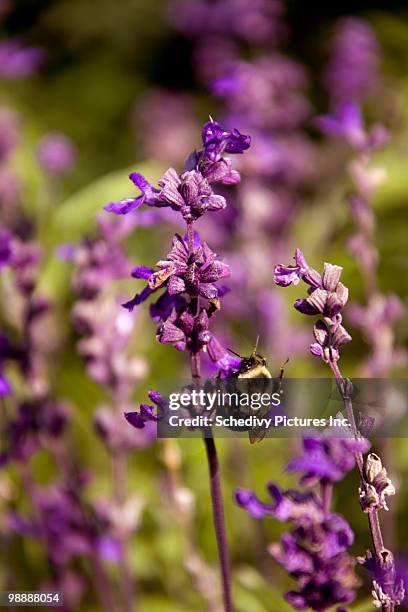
pixel 256 434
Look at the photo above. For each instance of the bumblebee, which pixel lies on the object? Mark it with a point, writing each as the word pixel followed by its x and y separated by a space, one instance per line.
pixel 255 367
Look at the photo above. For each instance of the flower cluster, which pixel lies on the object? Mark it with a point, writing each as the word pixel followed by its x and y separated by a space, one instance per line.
pixel 377 317
pixel 190 275
pixel 264 92
pixel 190 193
pixel 352 70
pixel 106 328
pixel 36 423
pixel 347 123
pixel 259 21
pixel 327 297
pixel 23 259
pixel 70 529
pixel 314 552
pixel 326 459
pixel 17 60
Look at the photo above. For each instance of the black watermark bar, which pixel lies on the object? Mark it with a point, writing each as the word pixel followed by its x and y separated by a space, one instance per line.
pixel 51 599
pixel 291 407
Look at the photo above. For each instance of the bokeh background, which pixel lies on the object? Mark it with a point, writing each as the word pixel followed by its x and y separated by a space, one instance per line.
pixel 120 80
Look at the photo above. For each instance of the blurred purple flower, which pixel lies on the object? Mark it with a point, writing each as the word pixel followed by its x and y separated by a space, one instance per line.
pixel 5 386
pixel 224 361
pixel 259 21
pixel 352 71
pixel 265 94
pixel 314 552
pixel 289 505
pixel 166 117
pixel 56 154
pixel 6 251
pixel 18 60
pixel 347 123
pixel 327 459
pixel 37 420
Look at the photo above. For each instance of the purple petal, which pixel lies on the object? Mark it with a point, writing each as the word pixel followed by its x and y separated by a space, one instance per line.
pixel 170 333
pixel 305 307
pixel 316 349
pixel 175 285
pixel 138 299
pixel 286 275
pixel 250 502
pixel 208 291
pixel 135 419
pixel 123 207
pixel 331 276
pixel 142 272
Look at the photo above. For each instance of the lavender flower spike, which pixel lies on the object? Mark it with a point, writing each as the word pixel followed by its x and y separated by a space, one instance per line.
pixel 319 539
pixel 189 276
pixel 327 297
pixel 375 484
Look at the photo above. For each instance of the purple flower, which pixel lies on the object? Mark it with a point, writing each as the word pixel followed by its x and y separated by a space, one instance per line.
pixel 314 552
pixel 181 273
pixel 146 414
pixel 265 93
pixel 327 297
pixel 259 21
pixel 139 419
pixel 18 60
pixel 34 421
pixel 224 361
pixel 329 339
pixel 327 459
pixel 5 387
pixel 116 434
pixel 190 193
pixel 98 260
pixel 288 505
pixel 376 320
pixel 56 153
pixel 347 123
pixel 388 584
pixel 288 275
pixel 352 72
pixel 217 141
pixel 148 196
